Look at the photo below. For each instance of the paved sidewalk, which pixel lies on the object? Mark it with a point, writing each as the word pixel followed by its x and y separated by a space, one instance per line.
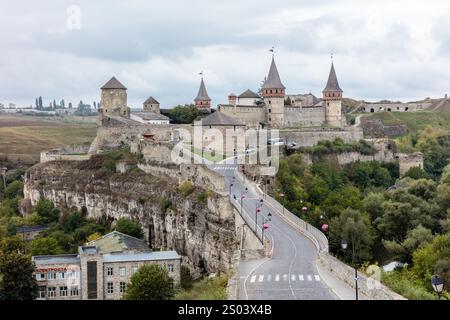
pixel 340 288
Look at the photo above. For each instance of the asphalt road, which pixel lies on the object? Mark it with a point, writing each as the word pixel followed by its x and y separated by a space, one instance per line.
pixel 291 272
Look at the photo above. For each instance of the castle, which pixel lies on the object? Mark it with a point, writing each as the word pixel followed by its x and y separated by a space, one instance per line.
pixel 272 108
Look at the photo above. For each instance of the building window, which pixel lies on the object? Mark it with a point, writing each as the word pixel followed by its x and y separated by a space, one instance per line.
pixel 270 110
pixel 41 292
pixel 61 275
pixel 63 291
pixel 40 276
pixel 109 271
pixel 122 287
pixel 170 267
pixel 122 271
pixel 74 291
pixel 51 292
pixel 51 276
pixel 134 269
pixel 110 287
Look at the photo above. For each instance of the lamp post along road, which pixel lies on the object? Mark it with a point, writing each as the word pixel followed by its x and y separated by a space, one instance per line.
pixel 344 245
pixel 438 284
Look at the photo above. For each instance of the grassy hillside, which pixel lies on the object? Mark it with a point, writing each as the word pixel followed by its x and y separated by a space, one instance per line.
pixel 416 121
pixel 25 137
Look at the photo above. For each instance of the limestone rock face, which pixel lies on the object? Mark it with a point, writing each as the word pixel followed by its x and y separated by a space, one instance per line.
pixel 201 230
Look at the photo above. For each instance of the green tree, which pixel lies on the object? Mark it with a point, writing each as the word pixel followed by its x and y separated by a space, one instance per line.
pixel 341 199
pixel 416 238
pixel 17 282
pixel 417 173
pixel 150 282
pixel 14 189
pixel 373 205
pixel 45 246
pixel 184 114
pixel 355 228
pixel 12 244
pixel 71 221
pixel 129 227
pixel 47 211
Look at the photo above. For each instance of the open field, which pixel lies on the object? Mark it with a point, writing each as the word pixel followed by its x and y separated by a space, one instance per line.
pixel 23 138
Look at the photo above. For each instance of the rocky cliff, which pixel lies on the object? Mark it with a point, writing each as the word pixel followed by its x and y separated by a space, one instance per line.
pixel 201 228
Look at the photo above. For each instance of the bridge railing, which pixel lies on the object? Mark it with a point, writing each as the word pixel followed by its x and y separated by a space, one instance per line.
pixel 257 230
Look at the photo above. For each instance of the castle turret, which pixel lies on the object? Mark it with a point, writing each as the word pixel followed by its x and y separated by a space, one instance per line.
pixel 151 105
pixel 114 99
pixel 273 92
pixel 203 101
pixel 332 96
pixel 232 99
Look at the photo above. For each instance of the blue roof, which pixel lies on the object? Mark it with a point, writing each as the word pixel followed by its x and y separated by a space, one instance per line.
pixel 147 256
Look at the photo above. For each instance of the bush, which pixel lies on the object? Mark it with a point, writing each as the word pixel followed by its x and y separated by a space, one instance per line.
pixel 45 246
pixel 164 204
pixel 206 289
pixel 186 188
pixel 46 211
pixel 14 189
pixel 129 227
pixel 150 282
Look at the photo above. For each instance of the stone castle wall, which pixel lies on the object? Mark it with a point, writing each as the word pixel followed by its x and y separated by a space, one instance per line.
pixel 400 107
pixel 312 137
pixel 304 116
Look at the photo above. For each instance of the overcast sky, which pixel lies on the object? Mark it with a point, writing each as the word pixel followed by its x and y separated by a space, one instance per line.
pixel 382 49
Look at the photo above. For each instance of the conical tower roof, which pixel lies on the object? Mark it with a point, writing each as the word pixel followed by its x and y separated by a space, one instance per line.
pixel 273 80
pixel 202 93
pixel 332 84
pixel 113 83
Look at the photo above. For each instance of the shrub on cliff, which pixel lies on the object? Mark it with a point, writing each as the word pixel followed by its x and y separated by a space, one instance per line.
pixel 186 188
pixel 129 227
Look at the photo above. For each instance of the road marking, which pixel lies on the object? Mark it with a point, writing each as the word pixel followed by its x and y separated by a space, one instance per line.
pixel 309 277
pixel 261 278
pixel 293 277
pixel 269 278
pixel 300 277
pixel 277 277
pixel 252 279
pixel 316 277
pixel 285 277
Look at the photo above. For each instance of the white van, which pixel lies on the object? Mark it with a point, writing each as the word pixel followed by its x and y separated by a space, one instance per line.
pixel 276 142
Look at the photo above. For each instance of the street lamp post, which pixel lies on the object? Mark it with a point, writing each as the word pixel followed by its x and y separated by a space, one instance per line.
pixel 437 284
pixel 242 197
pixel 231 184
pixel 344 245
pixel 257 210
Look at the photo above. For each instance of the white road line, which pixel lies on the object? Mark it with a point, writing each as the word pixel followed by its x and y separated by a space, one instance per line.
pixel 252 279
pixel 293 277
pixel 316 277
pixel 277 277
pixel 285 277
pixel 269 278
pixel 300 277
pixel 309 277
pixel 261 278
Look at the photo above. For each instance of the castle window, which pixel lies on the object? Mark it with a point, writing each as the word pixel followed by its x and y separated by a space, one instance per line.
pixel 270 110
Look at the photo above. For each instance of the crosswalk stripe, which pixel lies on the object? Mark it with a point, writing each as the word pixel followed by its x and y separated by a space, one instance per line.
pixel 300 277
pixel 277 277
pixel 285 276
pixel 252 279
pixel 269 278
pixel 309 277
pixel 293 277
pixel 317 277
pixel 261 278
